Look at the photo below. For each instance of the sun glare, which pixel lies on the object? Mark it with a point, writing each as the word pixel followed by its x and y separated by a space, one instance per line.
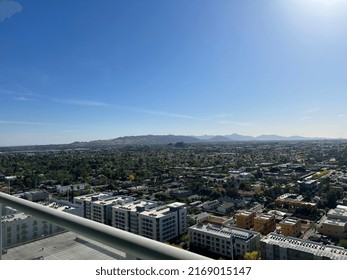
pixel 331 10
pixel 328 2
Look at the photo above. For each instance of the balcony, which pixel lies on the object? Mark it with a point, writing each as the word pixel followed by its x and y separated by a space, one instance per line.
pixel 134 246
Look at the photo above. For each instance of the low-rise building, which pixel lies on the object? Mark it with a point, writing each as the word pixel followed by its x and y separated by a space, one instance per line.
pixel 230 242
pixel 35 196
pixel 194 219
pixel 225 208
pixel 69 188
pixel 210 205
pixel 245 219
pixel 279 247
pixel 291 227
pixel 294 201
pixel 264 223
pixel 335 223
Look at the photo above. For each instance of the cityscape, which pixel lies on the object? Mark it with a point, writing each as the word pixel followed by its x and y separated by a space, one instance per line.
pixel 268 200
pixel 173 130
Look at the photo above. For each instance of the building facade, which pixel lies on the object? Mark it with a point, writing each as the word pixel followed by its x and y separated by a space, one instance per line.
pixel 264 223
pixel 98 207
pixel 18 227
pixel 335 223
pixel 230 242
pixel 279 247
pixel 164 223
pixel 126 217
pixel 140 217
pixel 291 227
pixel 244 219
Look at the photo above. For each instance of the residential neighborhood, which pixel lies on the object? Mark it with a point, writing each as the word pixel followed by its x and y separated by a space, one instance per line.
pixel 221 200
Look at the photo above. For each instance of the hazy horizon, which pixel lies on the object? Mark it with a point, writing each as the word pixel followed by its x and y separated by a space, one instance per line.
pixel 88 70
pixel 207 138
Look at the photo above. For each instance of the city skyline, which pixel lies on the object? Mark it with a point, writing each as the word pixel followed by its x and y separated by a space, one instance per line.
pixel 88 70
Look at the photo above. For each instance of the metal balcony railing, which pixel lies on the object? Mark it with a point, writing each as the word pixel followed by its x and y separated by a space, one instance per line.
pixel 135 246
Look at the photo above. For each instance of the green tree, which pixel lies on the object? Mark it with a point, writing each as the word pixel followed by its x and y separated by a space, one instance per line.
pixel 343 243
pixel 254 255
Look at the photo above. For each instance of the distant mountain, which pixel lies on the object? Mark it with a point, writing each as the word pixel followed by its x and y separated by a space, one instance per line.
pixel 180 140
pixel 238 137
pixel 140 140
pixel 219 138
pixel 284 138
pixel 173 139
pixel 271 138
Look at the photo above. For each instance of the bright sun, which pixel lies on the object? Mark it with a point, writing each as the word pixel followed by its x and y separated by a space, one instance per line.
pixel 327 2
pixel 323 7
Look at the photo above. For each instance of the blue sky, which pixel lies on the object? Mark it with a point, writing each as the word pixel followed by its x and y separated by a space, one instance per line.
pixel 86 70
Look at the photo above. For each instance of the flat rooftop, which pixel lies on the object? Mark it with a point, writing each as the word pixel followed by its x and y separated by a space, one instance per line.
pixel 159 212
pixel 317 249
pixel 265 216
pixel 113 200
pixel 290 221
pixel 339 212
pixel 225 232
pixel 335 222
pixel 63 246
pixel 244 213
pixel 132 206
pixel 15 216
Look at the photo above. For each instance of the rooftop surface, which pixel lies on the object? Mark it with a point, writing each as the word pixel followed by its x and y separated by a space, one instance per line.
pixel 64 246
pixel 317 249
pixel 225 231
pixel 132 206
pixel 290 221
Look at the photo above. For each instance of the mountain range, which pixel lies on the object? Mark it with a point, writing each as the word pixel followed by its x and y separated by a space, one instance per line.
pixel 167 139
pixel 174 140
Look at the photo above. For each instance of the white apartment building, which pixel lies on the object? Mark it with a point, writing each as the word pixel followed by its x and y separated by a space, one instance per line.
pixel 98 207
pixel 230 242
pixel 18 227
pixel 126 217
pixel 163 223
pixel 141 217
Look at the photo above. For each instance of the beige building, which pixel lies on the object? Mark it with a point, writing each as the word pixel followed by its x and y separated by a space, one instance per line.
pixel 333 228
pixel 335 223
pixel 264 223
pixel 291 227
pixel 244 219
pixel 294 201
